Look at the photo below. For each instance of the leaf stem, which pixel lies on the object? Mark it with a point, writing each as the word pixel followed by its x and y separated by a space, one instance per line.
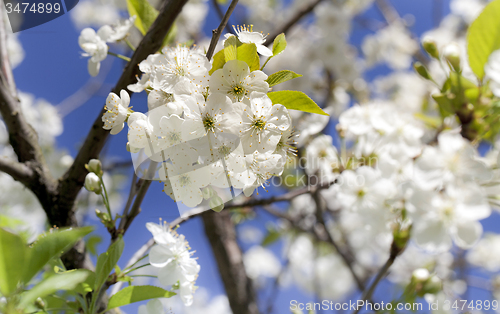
pixel 119 56
pixel 129 44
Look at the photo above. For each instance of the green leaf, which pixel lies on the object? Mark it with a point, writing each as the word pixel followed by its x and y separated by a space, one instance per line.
pixel 50 246
pixel 230 48
pixel 244 52
pixel 106 262
pixel 144 12
pixel 92 243
pixel 296 100
pixel 483 37
pixel 65 281
pixel 219 61
pixel 13 255
pixel 87 285
pixel 137 293
pixel 279 44
pixel 248 53
pixel 272 236
pixel 281 77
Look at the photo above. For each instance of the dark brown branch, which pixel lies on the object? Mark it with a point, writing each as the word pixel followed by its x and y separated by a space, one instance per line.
pixel 287 197
pixel 18 171
pixel 217 32
pixel 292 21
pixel 221 15
pixel 221 234
pixel 367 295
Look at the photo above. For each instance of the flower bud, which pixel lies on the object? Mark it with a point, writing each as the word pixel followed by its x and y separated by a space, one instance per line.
pixel 94 166
pixel 421 70
pixel 420 275
pixel 432 285
pixel 430 47
pixel 216 204
pixel 452 54
pixel 93 183
pixel 208 192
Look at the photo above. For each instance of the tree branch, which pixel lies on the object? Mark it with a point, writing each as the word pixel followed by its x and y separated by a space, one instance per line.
pixel 20 172
pixel 292 21
pixel 218 31
pixel 221 234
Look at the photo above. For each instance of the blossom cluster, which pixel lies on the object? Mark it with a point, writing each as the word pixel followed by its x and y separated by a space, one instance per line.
pixel 95 44
pixel 172 256
pixel 208 128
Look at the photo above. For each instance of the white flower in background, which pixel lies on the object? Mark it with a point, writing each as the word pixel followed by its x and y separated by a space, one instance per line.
pixel 94 13
pixel 117 31
pixel 15 50
pixel 171 254
pixel 322 158
pixel 179 65
pixel 467 9
pixel 453 214
pixel 94 47
pixel 453 159
pixel 311 273
pixel 117 110
pixel 152 307
pixel 236 81
pixel 263 123
pixel 486 253
pixel 392 45
pixel 247 35
pixel 204 303
pixel 492 71
pixel 363 190
pixel 260 261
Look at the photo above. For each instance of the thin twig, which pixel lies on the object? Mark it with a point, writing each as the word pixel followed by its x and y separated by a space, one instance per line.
pixel 221 15
pixel 367 295
pixel 292 21
pixel 218 31
pixel 287 197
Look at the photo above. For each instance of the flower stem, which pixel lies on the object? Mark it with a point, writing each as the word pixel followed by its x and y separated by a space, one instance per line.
pixel 265 63
pixel 129 44
pixel 119 56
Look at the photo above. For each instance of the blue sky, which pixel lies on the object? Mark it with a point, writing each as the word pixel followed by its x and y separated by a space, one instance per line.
pixel 53 69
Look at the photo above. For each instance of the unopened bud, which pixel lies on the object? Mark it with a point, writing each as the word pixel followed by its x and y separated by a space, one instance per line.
pixel 39 303
pixel 93 183
pixel 422 70
pixel 420 274
pixel 94 166
pixel 452 54
pixel 208 192
pixel 432 285
pixel 430 47
pixel 216 204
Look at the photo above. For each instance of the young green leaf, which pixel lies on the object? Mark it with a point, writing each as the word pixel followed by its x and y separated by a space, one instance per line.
pixel 281 77
pixel 137 293
pixel 248 53
pixel 50 246
pixel 296 100
pixel 65 281
pixel 12 261
pixel 230 46
pixel 144 12
pixel 106 262
pixel 219 61
pixel 279 44
pixel 483 37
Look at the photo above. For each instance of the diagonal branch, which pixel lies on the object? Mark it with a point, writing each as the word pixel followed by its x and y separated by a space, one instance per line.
pixel 292 21
pixel 18 171
pixel 218 31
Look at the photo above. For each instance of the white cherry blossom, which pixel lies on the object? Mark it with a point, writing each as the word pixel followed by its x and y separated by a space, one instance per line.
pixel 117 110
